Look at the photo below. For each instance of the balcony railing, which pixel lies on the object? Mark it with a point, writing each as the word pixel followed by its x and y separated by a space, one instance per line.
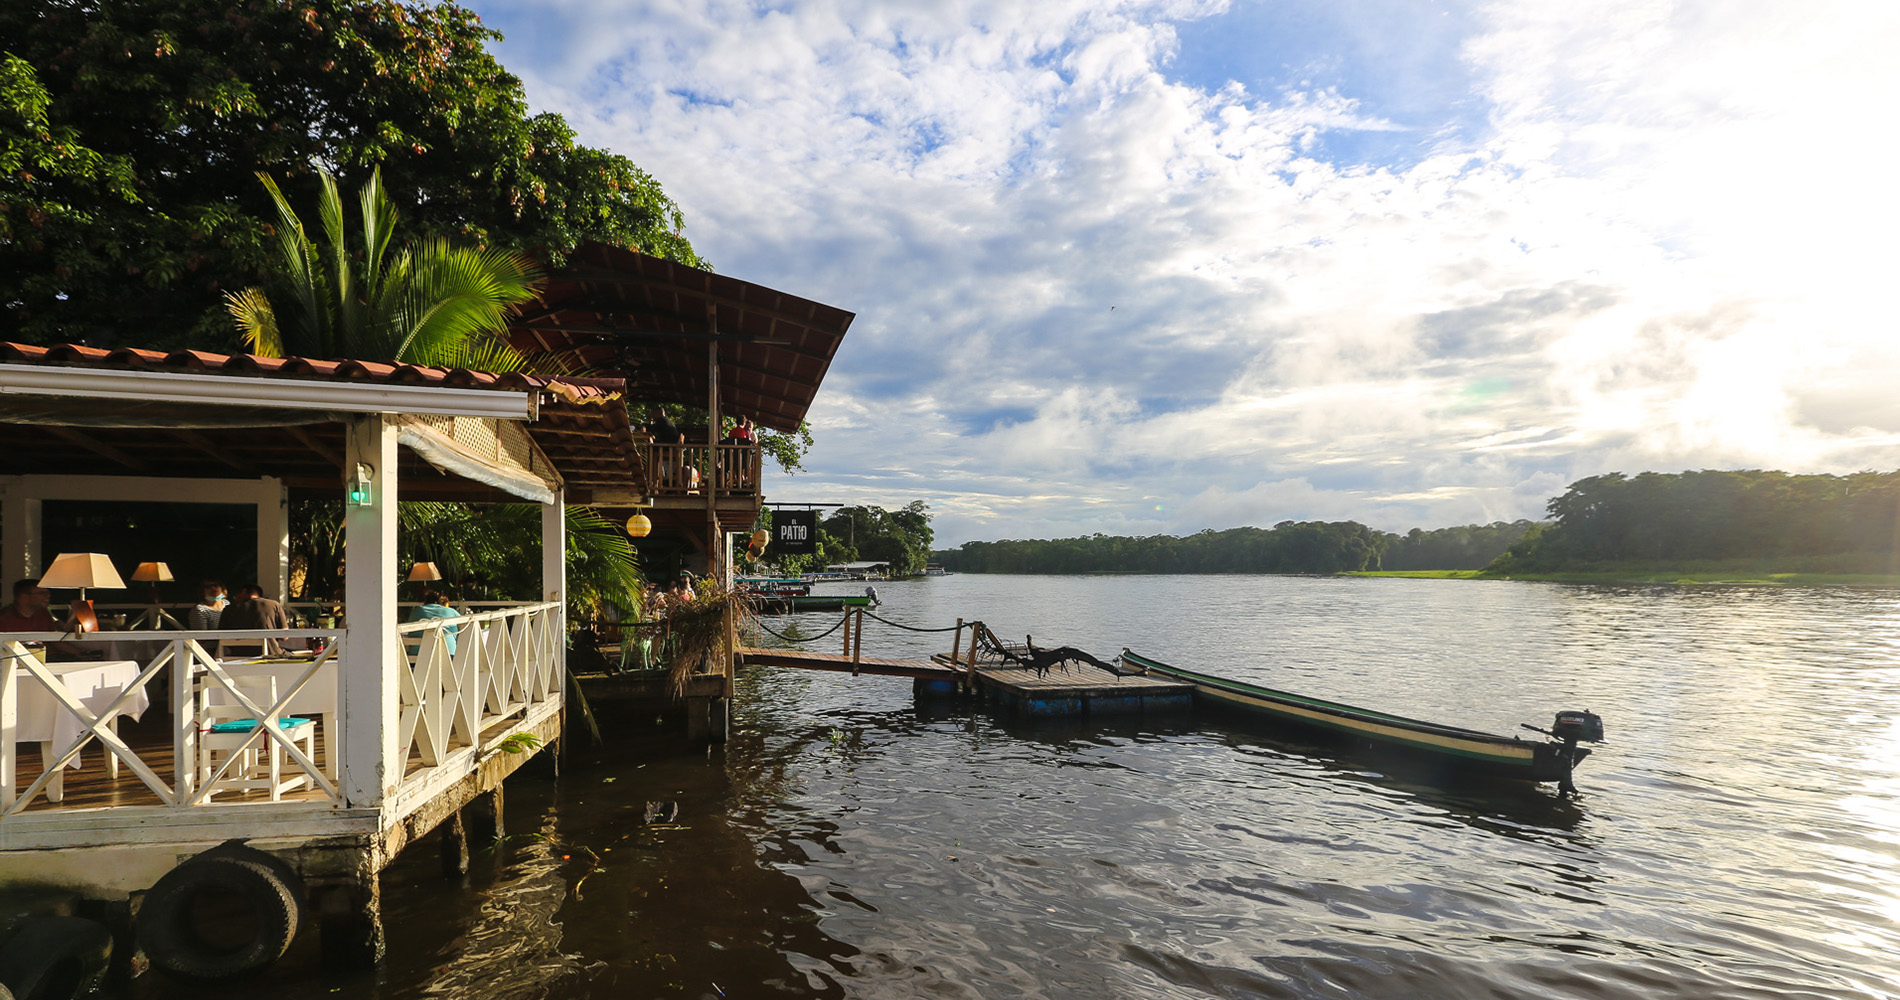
pixel 689 469
pixel 73 705
pixel 452 708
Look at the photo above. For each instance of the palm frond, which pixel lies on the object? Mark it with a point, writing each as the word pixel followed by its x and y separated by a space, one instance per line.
pixel 256 321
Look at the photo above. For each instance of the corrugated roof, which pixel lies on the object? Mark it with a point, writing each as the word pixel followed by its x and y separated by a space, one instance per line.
pixel 650 321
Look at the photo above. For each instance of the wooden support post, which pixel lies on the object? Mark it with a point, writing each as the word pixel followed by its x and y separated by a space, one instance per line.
pixel 483 814
pixel 956 645
pixel 857 642
pixel 454 834
pixel 273 539
pixel 372 762
pixel 351 921
pixel 847 631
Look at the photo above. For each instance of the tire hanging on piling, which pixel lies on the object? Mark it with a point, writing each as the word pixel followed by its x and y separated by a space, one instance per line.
pixel 167 928
pixel 55 958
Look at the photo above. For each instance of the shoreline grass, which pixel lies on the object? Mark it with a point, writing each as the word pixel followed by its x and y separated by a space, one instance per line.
pixel 1738 575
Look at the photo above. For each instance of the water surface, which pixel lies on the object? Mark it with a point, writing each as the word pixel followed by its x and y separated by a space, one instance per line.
pixel 1738 837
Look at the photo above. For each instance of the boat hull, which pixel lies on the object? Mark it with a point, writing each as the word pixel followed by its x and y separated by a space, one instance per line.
pixel 1464 751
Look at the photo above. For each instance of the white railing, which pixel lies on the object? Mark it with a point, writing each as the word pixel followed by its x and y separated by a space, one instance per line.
pixel 109 690
pixel 505 663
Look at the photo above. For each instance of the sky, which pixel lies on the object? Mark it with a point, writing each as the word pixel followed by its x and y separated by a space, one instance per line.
pixel 1158 266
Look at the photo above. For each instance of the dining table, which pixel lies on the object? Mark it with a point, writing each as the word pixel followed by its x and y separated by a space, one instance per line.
pixel 42 719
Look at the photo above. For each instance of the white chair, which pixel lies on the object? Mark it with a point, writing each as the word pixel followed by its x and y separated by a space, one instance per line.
pixel 260 763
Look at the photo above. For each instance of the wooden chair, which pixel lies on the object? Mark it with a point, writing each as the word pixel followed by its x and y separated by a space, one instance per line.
pixel 228 729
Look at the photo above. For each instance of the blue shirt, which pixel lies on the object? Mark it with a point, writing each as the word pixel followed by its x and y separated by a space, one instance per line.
pixel 439 611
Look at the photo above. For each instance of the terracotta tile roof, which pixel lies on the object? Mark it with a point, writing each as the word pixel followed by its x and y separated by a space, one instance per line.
pixel 312 369
pixel 582 426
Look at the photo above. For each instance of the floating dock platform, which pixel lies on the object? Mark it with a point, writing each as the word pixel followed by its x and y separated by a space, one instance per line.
pixel 1071 689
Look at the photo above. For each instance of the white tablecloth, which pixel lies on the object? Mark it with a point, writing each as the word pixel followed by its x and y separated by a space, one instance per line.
pixel 96 685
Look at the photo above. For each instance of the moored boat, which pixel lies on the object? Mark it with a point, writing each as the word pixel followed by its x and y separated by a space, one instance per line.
pixel 1466 751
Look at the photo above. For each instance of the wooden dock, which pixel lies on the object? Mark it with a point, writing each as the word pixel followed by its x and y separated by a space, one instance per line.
pixel 876 666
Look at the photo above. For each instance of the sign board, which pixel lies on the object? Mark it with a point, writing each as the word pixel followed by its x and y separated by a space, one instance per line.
pixel 795 532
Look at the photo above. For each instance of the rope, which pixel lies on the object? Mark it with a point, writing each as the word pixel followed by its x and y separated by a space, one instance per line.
pixel 913 628
pixel 802 638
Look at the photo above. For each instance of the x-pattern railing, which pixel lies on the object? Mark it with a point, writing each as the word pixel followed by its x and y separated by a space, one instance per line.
pixel 193 669
pixel 504 662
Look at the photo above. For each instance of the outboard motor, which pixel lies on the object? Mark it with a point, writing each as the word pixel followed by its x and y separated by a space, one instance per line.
pixel 871 592
pixel 1570 728
pixel 1578 727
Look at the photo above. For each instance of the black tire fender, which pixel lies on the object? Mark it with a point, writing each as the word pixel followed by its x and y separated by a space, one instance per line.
pixel 55 958
pixel 167 922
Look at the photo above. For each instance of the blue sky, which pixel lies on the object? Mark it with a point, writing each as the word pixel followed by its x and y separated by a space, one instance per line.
pixel 1165 265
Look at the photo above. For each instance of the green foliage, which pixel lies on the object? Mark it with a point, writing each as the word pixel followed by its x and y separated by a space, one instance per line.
pixel 479 549
pixel 518 743
pixel 1468 547
pixel 1655 518
pixel 854 534
pixel 139 125
pixel 1289 547
pixel 433 304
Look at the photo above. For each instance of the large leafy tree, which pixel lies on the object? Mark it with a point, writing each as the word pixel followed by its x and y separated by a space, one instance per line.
pixel 132 132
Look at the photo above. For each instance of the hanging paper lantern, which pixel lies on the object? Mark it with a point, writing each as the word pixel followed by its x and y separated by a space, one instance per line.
pixel 639 526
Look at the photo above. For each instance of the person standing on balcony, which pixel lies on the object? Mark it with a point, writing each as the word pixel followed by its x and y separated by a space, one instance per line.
pixel 742 434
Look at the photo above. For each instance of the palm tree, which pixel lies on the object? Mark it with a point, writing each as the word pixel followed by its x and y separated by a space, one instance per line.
pixel 431 303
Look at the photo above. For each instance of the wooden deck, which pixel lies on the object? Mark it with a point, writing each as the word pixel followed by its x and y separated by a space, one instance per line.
pixel 1070 689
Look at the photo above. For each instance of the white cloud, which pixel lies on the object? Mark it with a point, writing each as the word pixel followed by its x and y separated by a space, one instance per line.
pixel 1085 287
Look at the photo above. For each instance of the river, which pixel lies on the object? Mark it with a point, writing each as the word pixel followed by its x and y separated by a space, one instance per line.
pixel 1738 836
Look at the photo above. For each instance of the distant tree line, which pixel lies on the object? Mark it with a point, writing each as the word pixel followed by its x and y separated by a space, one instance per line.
pixel 1671 518
pixel 1287 547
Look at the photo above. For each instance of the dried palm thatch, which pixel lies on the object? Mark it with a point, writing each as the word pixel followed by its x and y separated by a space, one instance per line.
pixel 688 636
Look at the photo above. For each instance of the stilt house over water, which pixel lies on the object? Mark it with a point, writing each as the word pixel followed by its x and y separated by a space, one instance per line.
pixel 362 733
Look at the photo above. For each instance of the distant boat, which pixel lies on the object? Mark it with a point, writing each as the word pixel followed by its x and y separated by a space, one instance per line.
pixel 791 595
pixel 934 571
pixel 1464 751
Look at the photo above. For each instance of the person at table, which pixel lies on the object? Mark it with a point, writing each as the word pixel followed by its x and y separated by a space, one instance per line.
pixel 203 617
pixel 252 610
pixel 433 606
pixel 29 611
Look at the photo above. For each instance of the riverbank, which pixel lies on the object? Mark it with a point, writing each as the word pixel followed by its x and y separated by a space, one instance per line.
pixel 1720 573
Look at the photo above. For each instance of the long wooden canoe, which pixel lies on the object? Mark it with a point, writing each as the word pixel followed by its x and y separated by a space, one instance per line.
pixel 1466 751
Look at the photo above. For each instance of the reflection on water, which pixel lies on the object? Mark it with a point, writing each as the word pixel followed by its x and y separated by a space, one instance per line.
pixel 1739 835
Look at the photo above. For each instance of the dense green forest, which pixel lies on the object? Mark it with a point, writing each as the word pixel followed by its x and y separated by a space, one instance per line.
pixel 1287 547
pixel 1812 523
pixel 1852 522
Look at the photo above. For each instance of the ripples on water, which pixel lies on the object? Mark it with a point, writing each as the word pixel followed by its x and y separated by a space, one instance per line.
pixel 1739 835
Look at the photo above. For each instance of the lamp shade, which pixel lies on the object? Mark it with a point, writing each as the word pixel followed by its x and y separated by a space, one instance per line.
pixel 152 572
pixel 82 569
pixel 424 571
pixel 639 526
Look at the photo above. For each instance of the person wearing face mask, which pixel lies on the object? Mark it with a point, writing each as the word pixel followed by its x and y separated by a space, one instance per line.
pixel 210 607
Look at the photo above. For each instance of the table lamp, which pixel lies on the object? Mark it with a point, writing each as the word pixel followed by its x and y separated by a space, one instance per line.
pixel 153 573
pixel 424 571
pixel 81 570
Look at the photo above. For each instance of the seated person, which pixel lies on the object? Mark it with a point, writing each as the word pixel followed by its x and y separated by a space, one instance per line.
pixel 433 606
pixel 28 612
pixel 252 610
pixel 204 616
